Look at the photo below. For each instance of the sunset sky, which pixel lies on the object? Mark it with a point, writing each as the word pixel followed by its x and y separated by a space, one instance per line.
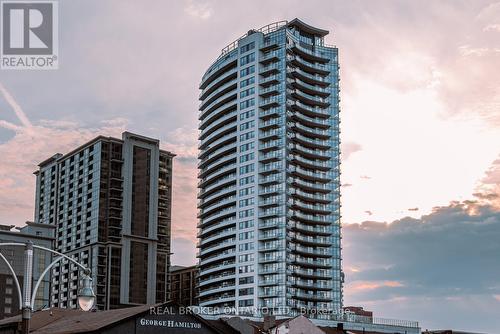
pixel 420 106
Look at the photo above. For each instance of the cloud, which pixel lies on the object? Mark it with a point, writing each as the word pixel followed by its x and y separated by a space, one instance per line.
pixel 448 255
pixel 413 209
pixel 365 177
pixel 368 212
pixel 492 27
pixel 349 148
pixel 199 9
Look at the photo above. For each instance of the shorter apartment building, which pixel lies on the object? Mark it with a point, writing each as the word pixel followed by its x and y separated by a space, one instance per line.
pixel 110 202
pixel 183 282
pixel 38 234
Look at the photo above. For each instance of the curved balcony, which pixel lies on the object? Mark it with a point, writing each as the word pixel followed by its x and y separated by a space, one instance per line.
pixel 309 240
pixel 216 196
pixel 224 266
pixel 224 213
pixel 313 175
pixel 311 273
pixel 313 79
pixel 312 219
pixel 227 76
pixel 312 296
pixel 227 243
pixel 309 88
pixel 311 208
pixel 224 182
pixel 308 110
pixel 312 100
pixel 311 164
pixel 216 173
pixel 309 186
pixel 226 118
pixel 312 55
pixel 214 165
pixel 224 223
pixel 217 69
pixel 312 285
pixel 217 206
pixel 210 261
pixel 310 153
pixel 314 143
pixel 217 236
pixel 308 229
pixel 217 278
pixel 311 251
pixel 219 288
pixel 224 299
pixel 311 67
pixel 313 122
pixel 225 150
pixel 308 131
pixel 314 263
pixel 225 88
pixel 218 108
pixel 221 135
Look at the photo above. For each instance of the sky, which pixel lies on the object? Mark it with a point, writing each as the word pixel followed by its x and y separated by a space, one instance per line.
pixel 420 106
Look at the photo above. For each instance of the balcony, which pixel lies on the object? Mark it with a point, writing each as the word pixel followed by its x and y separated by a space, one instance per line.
pixel 313 122
pixel 311 67
pixel 308 88
pixel 310 54
pixel 311 100
pixel 308 110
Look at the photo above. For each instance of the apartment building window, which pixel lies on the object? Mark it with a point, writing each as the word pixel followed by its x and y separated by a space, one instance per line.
pixel 247 92
pixel 247 169
pixel 247 114
pixel 247 103
pixel 247 191
pixel 246 291
pixel 247 47
pixel 246 246
pixel 246 224
pixel 247 157
pixel 246 147
pixel 246 258
pixel 247 180
pixel 247 82
pixel 247 136
pixel 246 269
pixel 247 125
pixel 246 280
pixel 247 59
pixel 246 202
pixel 246 213
pixel 245 303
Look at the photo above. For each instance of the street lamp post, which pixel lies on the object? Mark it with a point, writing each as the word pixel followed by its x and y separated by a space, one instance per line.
pixel 86 296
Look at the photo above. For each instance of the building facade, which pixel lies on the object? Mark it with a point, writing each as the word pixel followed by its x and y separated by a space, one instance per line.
pixel 183 282
pixel 38 234
pixel 269 166
pixel 110 200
